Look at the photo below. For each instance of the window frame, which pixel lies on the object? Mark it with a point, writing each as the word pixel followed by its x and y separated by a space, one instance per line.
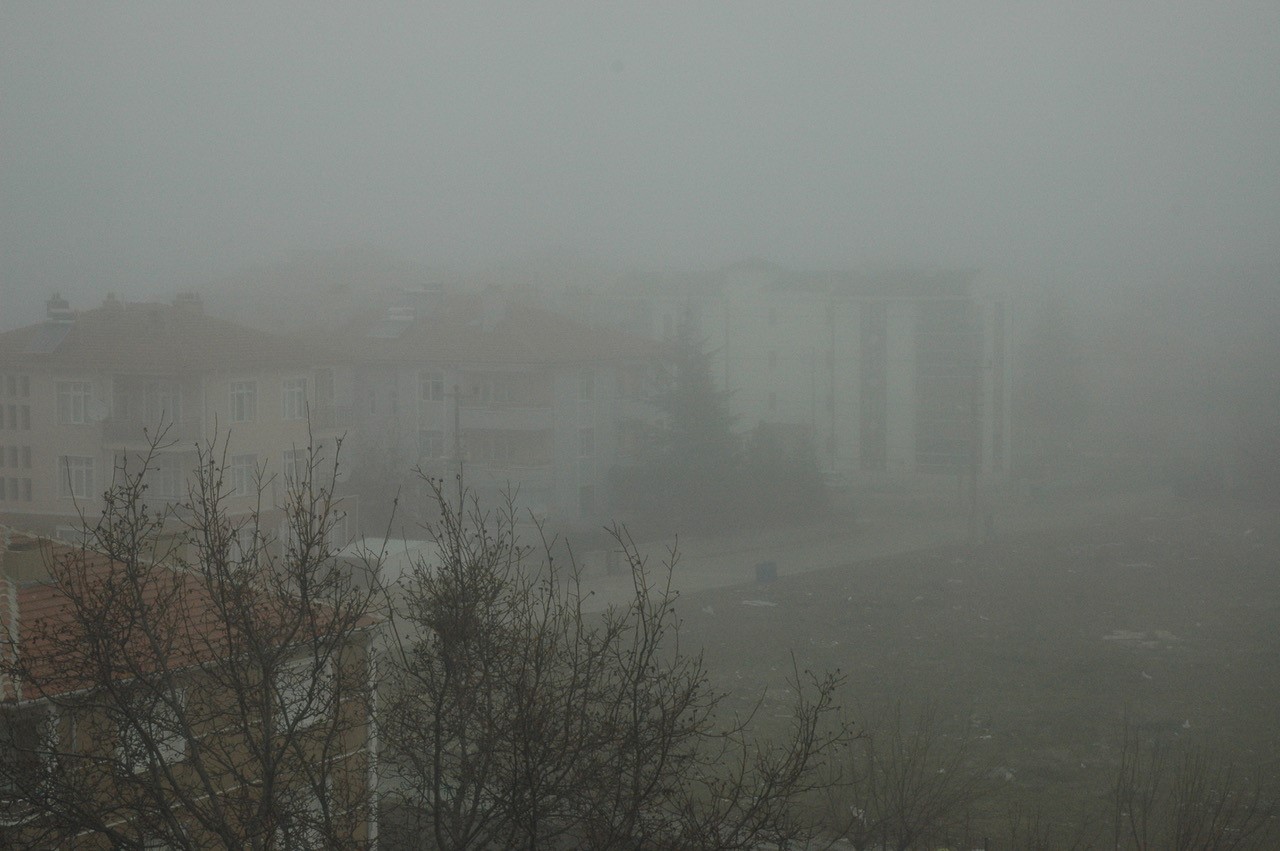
pixel 244 401
pixel 430 444
pixel 244 469
pixel 167 747
pixel 293 399
pixel 312 697
pixel 431 385
pixel 73 399
pixel 76 481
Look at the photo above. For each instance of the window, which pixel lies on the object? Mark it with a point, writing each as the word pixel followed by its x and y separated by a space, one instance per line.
pixel 586 442
pixel 13 455
pixel 75 476
pixel 13 416
pixel 430 444
pixel 2 457
pixel 152 733
pixel 244 473
pixel 295 470
pixel 11 384
pixel 244 544
pixel 73 403
pixel 773 401
pixel 586 500
pixel 302 822
pixel 24 385
pixel 26 457
pixel 28 738
pixel 26 418
pixel 773 360
pixel 304 689
pixel 293 399
pixel 244 401
pixel 13 489
pixel 26 490
pixel 431 386
pixel 167 479
pixel 587 383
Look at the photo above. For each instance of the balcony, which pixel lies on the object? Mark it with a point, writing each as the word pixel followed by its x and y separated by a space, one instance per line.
pixel 496 474
pixel 140 432
pixel 332 417
pixel 506 417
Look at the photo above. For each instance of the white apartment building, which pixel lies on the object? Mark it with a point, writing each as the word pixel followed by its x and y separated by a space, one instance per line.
pixel 891 376
pixel 86 392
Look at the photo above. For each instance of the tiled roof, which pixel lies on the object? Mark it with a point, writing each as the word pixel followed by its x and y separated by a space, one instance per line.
pixel 150 337
pixel 463 329
pixel 181 610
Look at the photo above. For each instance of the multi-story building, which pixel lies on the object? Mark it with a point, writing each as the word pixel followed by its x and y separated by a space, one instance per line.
pixel 87 391
pixel 514 395
pixel 182 704
pixel 888 376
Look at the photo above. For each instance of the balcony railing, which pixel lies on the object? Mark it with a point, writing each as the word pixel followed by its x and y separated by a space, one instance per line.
pixel 140 431
pixel 497 473
pixel 332 417
pixel 523 417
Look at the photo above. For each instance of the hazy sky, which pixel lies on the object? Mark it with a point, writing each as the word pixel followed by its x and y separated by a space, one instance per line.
pixel 148 146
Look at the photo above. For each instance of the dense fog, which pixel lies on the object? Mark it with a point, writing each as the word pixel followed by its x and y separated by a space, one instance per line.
pixel 977 303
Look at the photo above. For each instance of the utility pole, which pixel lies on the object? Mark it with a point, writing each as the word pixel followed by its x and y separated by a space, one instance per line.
pixel 975 419
pixel 456 395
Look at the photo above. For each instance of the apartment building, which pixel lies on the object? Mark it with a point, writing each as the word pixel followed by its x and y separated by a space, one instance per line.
pixel 512 394
pixel 87 391
pixel 123 724
pixel 890 375
pixel 895 375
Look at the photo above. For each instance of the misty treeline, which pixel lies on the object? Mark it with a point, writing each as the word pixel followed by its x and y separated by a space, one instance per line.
pixel 220 680
pixel 917 778
pixel 1172 388
pixel 696 470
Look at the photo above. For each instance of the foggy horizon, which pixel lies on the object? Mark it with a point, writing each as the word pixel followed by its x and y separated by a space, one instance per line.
pixel 149 148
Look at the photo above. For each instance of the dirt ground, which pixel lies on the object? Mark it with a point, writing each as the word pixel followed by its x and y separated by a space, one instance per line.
pixel 1039 642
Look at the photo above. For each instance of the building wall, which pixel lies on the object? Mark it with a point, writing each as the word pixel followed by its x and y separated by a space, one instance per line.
pixel 551 432
pixel 107 435
pixel 217 721
pixel 848 370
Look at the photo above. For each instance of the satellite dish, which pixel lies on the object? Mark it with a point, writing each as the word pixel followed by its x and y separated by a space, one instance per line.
pixel 97 410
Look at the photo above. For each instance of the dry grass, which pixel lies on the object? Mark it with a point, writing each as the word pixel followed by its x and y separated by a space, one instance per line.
pixel 1039 644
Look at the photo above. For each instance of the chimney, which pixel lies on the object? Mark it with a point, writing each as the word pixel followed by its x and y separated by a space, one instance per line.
pixel 111 302
pixel 189 302
pixel 58 309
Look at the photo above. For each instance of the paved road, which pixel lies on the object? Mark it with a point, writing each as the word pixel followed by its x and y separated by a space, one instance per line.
pixel 728 561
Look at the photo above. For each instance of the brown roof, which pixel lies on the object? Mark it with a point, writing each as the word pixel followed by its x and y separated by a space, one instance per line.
pixel 467 329
pixel 150 337
pixel 180 609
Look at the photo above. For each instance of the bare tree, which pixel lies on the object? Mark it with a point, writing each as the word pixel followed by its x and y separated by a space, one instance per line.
pixel 195 679
pixel 513 717
pixel 907 783
pixel 1184 798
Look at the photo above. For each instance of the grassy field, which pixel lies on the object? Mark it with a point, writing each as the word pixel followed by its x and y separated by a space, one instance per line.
pixel 1034 648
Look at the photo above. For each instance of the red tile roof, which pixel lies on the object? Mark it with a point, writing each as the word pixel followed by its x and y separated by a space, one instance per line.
pixel 185 628
pixel 152 337
pixel 471 329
